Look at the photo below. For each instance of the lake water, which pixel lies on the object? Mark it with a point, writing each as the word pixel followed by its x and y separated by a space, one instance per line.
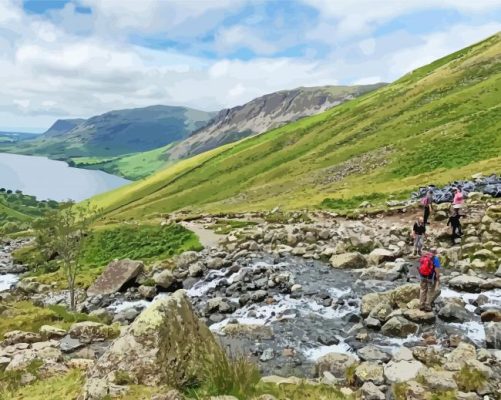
pixel 49 179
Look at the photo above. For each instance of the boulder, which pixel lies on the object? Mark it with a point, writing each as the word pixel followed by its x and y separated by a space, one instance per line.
pixel 438 380
pixel 369 371
pixel 184 260
pixel 398 326
pixel 418 316
pixel 491 315
pixel 147 292
pixel 378 256
pixel 467 283
pixel 371 300
pixel 165 345
pixel 402 295
pixel 493 335
pixel 52 332
pixel 453 312
pixel 89 331
pixel 116 275
pixel 369 391
pixel 165 279
pixel 348 260
pixel 402 371
pixel 335 363
pixel 372 353
pixel 14 337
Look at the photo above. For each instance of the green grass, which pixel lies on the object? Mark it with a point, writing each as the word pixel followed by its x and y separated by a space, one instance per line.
pixel 470 380
pixel 25 316
pixel 436 124
pixel 138 242
pixel 130 166
pixel 147 243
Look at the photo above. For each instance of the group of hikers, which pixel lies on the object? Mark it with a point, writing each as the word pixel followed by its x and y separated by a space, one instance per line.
pixel 429 263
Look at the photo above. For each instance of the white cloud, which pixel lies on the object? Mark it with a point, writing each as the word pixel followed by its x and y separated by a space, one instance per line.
pixel 78 65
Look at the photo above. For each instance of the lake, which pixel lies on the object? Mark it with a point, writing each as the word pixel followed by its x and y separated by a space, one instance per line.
pixel 49 179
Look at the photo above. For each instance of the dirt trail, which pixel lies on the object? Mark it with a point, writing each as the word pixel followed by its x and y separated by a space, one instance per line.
pixel 206 236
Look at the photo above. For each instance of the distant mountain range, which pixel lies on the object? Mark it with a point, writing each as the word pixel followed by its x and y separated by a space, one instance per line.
pixel 115 133
pixel 136 142
pixel 12 137
pixel 264 113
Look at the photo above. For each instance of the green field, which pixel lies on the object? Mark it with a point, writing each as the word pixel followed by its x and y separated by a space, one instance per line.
pixel 130 166
pixel 438 123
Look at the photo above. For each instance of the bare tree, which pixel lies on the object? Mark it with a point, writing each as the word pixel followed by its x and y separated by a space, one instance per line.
pixel 62 233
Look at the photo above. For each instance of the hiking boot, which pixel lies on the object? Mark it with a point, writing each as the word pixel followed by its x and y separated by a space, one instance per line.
pixel 422 308
pixel 427 308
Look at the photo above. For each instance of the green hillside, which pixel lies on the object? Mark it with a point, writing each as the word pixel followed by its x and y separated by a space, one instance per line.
pixel 114 133
pixel 437 123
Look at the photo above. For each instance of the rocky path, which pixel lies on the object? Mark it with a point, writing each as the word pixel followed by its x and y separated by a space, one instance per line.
pixel 206 236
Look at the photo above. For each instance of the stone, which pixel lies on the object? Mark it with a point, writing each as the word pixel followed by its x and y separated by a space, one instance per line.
pixel 116 275
pixel 402 371
pixel 467 396
pixel 467 283
pixel 493 335
pixel 196 269
pixel 381 311
pixel 403 354
pixel 165 279
pixel 102 314
pixel 220 304
pixel 165 345
pixel 371 300
pixel 402 295
pixel 418 316
pixel 491 315
pixel 456 358
pixel 378 256
pixel 335 363
pixel 14 337
pixel 184 260
pixel 170 395
pixel 215 263
pixel 369 391
pixel 415 391
pixel 372 323
pixel 267 355
pixel 453 312
pixel 147 292
pixel 348 260
pixel 69 345
pixel 51 332
pixel 369 371
pixel 399 327
pixel 438 380
pixel 372 353
pixel 89 331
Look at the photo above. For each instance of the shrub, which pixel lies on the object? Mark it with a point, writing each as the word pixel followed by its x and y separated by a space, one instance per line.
pixel 469 379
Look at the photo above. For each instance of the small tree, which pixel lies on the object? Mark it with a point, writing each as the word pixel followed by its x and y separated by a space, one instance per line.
pixel 62 232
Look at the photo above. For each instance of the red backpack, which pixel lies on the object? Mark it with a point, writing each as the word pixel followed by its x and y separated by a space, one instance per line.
pixel 426 266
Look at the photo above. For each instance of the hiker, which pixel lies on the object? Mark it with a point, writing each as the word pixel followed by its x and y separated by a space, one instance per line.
pixel 429 271
pixel 458 199
pixel 419 234
pixel 426 203
pixel 455 224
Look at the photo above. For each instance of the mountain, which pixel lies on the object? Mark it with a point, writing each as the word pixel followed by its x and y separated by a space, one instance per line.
pixel 116 132
pixel 230 125
pixel 12 137
pixel 435 124
pixel 62 126
pixel 265 113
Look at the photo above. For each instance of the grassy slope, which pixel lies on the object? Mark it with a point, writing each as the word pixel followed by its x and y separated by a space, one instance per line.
pixel 130 166
pixel 440 122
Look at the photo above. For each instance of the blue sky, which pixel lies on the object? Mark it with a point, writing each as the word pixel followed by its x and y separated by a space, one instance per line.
pixel 77 58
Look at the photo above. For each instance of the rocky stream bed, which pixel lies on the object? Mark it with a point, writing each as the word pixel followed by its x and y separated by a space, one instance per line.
pixel 310 299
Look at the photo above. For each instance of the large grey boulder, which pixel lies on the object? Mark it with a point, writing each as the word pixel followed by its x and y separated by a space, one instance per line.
pixel 165 345
pixel 402 371
pixel 467 283
pixel 378 256
pixel 335 363
pixel 348 260
pixel 453 312
pixel 115 276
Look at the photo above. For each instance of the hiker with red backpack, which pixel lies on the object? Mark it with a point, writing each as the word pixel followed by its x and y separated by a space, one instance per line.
pixel 426 202
pixel 429 271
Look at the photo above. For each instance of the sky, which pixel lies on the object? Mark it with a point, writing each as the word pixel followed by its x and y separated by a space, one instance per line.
pixel 78 58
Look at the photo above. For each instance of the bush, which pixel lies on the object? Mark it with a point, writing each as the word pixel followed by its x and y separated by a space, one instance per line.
pixel 469 379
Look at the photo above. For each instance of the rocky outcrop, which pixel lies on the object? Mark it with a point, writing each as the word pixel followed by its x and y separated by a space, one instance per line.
pixel 115 276
pixel 166 344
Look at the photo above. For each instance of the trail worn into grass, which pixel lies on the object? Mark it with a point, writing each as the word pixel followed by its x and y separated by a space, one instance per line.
pixel 206 237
